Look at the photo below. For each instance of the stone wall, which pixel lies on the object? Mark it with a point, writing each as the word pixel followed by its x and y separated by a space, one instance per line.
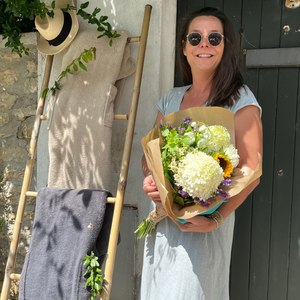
pixel 18 102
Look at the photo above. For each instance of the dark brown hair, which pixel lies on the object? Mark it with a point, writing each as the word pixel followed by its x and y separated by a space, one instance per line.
pixel 227 79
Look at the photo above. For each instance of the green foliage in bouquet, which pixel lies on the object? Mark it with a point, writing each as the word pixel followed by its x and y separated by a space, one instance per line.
pixel 172 141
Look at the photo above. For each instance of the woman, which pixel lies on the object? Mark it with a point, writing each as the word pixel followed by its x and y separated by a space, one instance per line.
pixel 191 261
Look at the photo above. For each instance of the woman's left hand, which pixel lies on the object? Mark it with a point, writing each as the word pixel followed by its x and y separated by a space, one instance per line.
pixel 197 224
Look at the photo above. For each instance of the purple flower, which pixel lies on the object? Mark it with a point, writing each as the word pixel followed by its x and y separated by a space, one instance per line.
pixel 187 120
pixel 206 203
pixel 164 123
pixel 183 194
pixel 223 194
pixel 226 182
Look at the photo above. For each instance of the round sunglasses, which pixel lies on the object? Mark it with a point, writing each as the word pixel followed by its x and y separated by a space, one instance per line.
pixel 214 38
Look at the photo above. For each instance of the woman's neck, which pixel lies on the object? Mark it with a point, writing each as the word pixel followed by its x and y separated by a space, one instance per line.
pixel 201 83
pixel 199 92
pixel 199 89
pixel 196 95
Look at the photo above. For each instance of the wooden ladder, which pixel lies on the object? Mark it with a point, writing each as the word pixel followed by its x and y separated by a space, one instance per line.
pixel 118 200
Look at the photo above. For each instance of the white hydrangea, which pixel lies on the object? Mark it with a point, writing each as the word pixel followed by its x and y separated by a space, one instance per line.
pixel 200 175
pixel 232 154
pixel 219 138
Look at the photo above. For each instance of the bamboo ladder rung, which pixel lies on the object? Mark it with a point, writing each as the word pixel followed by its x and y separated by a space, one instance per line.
pixel 121 117
pixel 31 194
pixel 34 194
pixel 14 276
pixel 116 117
pixel 134 39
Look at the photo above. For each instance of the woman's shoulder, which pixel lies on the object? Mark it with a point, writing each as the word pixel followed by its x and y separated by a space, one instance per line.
pixel 246 97
pixel 171 98
pixel 176 92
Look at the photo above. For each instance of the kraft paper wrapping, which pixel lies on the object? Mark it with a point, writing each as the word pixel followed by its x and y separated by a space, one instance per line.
pixel 152 144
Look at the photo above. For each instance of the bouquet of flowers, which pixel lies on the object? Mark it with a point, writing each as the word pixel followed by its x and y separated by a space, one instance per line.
pixel 194 173
pixel 198 161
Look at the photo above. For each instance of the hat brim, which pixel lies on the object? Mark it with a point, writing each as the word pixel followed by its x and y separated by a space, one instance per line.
pixel 43 45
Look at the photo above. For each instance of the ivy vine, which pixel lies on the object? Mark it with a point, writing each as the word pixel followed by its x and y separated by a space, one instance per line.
pixel 102 24
pixel 94 279
pixel 86 56
pixel 18 10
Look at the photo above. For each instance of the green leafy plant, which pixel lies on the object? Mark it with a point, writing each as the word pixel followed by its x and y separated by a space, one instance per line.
pixel 102 24
pixel 14 14
pixel 25 25
pixel 17 12
pixel 93 273
pixel 86 56
pixel 94 280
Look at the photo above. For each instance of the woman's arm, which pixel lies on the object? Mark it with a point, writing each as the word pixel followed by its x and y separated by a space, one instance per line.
pixel 144 162
pixel 248 136
pixel 149 186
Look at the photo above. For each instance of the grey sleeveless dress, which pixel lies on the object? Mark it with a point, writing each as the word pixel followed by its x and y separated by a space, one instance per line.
pixel 188 265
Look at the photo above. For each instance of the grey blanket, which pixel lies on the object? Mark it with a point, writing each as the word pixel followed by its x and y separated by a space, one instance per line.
pixel 53 267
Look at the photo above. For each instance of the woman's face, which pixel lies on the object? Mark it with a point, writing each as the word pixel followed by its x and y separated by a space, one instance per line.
pixel 204 57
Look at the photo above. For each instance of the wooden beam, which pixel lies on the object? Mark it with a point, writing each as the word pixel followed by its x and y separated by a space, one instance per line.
pixel 273 58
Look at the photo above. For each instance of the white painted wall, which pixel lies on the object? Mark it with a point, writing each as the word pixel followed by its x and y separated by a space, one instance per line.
pixel 157 79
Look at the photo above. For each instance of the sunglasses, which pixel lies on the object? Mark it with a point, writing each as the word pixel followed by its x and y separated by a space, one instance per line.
pixel 214 38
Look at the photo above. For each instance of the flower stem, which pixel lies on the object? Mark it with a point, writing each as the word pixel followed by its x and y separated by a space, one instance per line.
pixel 145 228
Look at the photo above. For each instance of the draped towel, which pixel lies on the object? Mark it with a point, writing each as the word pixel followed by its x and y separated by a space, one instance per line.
pixel 53 267
pixel 81 113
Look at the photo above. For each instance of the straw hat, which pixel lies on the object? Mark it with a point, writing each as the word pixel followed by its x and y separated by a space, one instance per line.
pixel 58 32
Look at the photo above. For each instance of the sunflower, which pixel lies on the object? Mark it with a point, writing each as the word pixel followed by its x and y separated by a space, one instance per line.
pixel 224 163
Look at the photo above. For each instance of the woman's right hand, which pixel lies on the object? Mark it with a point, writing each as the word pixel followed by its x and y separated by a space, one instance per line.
pixel 150 189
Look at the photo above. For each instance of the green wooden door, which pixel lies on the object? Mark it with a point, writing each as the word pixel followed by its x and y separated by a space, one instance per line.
pixel 266 250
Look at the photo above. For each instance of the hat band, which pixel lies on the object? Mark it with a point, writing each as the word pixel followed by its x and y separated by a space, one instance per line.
pixel 64 31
